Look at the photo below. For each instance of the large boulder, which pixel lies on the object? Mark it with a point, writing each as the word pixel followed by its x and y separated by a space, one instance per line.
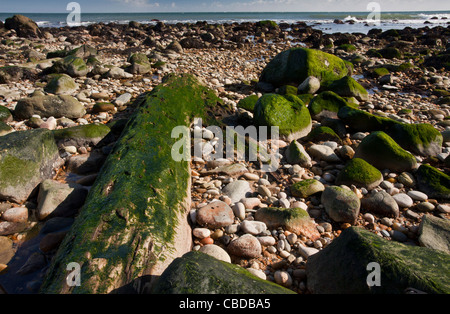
pixel 434 232
pixel 199 273
pixel 15 73
pixel 24 26
pixel 26 158
pixel 61 84
pixel 341 204
pixel 360 173
pixel 419 138
pixel 345 266
pixel 139 64
pixel 382 152
pixel 56 106
pixel 71 65
pixel 286 112
pixel 81 135
pixel 293 66
pixel 433 182
pixel 326 105
pixel 348 87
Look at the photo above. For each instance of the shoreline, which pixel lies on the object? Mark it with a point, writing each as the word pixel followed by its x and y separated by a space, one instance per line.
pixel 412 88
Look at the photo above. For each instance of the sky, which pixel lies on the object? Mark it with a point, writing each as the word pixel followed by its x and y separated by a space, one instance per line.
pixel 128 6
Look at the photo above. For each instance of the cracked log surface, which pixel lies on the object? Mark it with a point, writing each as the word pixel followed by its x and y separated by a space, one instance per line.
pixel 134 221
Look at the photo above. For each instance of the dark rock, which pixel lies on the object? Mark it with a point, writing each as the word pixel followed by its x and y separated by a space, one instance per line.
pixel 24 26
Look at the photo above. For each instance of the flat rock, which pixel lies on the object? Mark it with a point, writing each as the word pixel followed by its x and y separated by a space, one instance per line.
pixel 216 252
pixel 434 233
pixel 237 190
pixel 216 214
pixel 403 200
pixel 246 246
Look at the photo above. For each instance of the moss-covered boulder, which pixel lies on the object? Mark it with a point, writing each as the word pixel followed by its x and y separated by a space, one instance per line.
pixel 400 266
pixel 419 138
pixel 306 188
pixel 326 105
pixel 295 220
pixel 5 114
pixel 5 128
pixel 348 87
pixel 293 66
pixel 390 53
pixel 286 112
pixel 199 273
pixel 360 173
pixel 382 152
pixel 61 84
pixel 71 65
pixel 140 64
pixel 15 73
pixel 378 72
pixel 363 121
pixel 322 134
pixel 296 154
pixel 81 135
pixel 433 182
pixel 134 221
pixel 46 106
pixel 248 103
pixel 26 158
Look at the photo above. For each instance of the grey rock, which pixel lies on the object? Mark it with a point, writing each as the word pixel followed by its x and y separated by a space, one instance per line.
pixel 246 246
pixel 341 205
pixel 434 233
pixel 381 203
pixel 216 251
pixel 49 106
pixel 237 190
pixel 59 199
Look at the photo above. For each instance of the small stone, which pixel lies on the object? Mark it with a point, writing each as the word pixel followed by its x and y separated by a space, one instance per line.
pixel 253 227
pixel 237 190
pixel 216 251
pixel 250 176
pixel 258 273
pixel 266 240
pixel 443 208
pixel 239 210
pixel 306 252
pixel 246 246
pixel 206 241
pixel 216 214
pixel 417 195
pixel 283 278
pixel 403 200
pixel 264 191
pixel 16 214
pixel 369 218
pixel 425 207
pixel 251 202
pixel 407 179
pixel 201 232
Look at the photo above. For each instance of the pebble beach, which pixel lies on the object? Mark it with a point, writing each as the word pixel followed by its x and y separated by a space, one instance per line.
pixel 237 213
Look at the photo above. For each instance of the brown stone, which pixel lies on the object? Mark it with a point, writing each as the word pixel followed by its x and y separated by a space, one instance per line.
pixel 215 215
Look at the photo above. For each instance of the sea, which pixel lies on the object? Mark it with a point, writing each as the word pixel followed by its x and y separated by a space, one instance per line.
pixel 353 22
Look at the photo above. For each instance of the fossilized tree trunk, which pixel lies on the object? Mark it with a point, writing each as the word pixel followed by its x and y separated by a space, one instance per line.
pixel 134 221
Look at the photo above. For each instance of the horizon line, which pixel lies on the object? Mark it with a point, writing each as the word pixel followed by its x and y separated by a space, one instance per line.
pixel 183 12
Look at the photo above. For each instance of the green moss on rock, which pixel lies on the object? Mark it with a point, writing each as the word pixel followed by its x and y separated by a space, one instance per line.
pixel 401 266
pixel 323 133
pixel 26 158
pixel 5 114
pixel 248 103
pixel 136 207
pixel 198 273
pixel 326 104
pixel 348 87
pixel 433 182
pixel 293 66
pixel 360 173
pixel 382 152
pixel 306 188
pixel 287 112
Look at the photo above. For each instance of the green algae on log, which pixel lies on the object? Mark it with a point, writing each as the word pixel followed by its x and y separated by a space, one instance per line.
pixel 134 221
